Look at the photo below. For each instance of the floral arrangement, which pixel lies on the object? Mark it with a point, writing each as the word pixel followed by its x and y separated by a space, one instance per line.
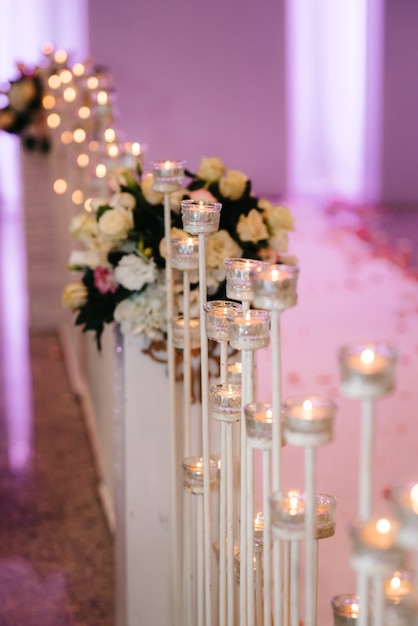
pixel 24 114
pixel 122 259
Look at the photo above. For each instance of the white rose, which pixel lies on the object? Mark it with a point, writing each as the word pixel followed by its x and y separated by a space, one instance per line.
pixel 251 227
pixel 124 200
pixel 279 241
pixel 116 223
pixel 174 232
pixel 151 196
pixel 74 296
pixel 232 185
pixel 21 94
pixel 133 272
pixel 175 199
pixel 83 227
pixel 211 169
pixel 96 203
pixel 277 217
pixel 143 313
pixel 193 303
pixel 85 258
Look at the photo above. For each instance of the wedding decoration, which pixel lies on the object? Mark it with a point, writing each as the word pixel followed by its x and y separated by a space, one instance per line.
pixel 124 244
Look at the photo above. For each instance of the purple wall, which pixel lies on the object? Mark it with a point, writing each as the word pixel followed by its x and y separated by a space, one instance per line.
pixel 399 174
pixel 196 79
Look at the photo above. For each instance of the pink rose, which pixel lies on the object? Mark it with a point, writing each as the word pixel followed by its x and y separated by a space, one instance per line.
pixel 104 280
pixel 202 194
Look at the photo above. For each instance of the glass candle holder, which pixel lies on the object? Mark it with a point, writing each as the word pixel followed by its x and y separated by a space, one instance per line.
pixel 193 474
pixel 288 514
pixel 309 420
pixel 249 330
pixel 375 547
pixel 225 402
pixel 259 530
pixel 367 370
pixel 345 609
pixel 167 175
pixel 405 503
pixel 274 286
pixel 398 586
pixel 178 332
pixel 259 422
pixel 185 253
pixel 200 216
pixel 234 372
pixel 238 278
pixel 217 315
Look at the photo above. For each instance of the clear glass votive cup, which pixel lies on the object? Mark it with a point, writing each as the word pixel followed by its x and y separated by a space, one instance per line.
pixel 288 514
pixel 217 314
pixel 259 422
pixel 234 372
pixel 225 402
pixel 308 420
pixel 185 253
pixel 367 369
pixel 249 330
pixel 179 329
pixel 193 474
pixel 238 278
pixel 345 609
pixel 168 171
pixel 274 286
pixel 200 216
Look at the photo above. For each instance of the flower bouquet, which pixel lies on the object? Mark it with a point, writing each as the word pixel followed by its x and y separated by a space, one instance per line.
pixel 122 260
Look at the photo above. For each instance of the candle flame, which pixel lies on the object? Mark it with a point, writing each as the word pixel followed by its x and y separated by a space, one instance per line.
pixel 269 416
pixel 395 583
pixel 293 505
pixel 307 406
pixel 367 356
pixel 383 526
pixel 136 148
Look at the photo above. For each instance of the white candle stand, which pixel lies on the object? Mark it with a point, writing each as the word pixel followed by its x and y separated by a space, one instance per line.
pixel 167 178
pixel 309 423
pixel 202 218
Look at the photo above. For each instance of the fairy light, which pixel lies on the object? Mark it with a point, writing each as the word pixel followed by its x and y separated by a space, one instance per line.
pixel 102 98
pixel 47 48
pixel 109 135
pixel 48 102
pixel 78 69
pixel 136 148
pixel 101 170
pixel 60 56
pixel 66 77
pixel 83 160
pixel 79 135
pixel 53 120
pixel 92 82
pixel 69 94
pixel 113 150
pixel 93 145
pixel 67 137
pixel 84 112
pixel 60 186
pixel 77 197
pixel 54 81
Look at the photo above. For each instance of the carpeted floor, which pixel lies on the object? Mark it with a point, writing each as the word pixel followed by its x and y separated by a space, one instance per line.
pixel 56 553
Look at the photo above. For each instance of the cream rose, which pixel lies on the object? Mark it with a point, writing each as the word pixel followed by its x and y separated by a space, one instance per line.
pixel 232 185
pixel 175 199
pixel 84 258
pixel 202 194
pixel 211 169
pixel 133 272
pixel 84 227
pixel 174 232
pixel 74 296
pixel 279 241
pixel 116 223
pixel 278 216
pixel 124 200
pixel 219 247
pixel 151 196
pixel 251 227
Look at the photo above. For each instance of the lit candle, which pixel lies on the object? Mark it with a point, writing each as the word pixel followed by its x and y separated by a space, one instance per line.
pixel 274 286
pixel 367 370
pixel 200 217
pixel 238 278
pixel 193 470
pixel 288 514
pixel 250 330
pixel 217 316
pixel 167 175
pixel 178 332
pixel 258 529
pixel 309 420
pixel 259 422
pixel 225 402
pixel 234 372
pixel 346 609
pixel 405 501
pixel 185 253
pixel 397 587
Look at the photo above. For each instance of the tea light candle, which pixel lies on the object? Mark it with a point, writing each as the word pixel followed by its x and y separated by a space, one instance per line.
pixel 200 216
pixel 397 587
pixel 234 371
pixel 178 332
pixel 193 474
pixel 167 175
pixel 258 529
pixel 309 420
pixel 249 330
pixel 367 370
pixel 288 514
pixel 259 421
pixel 185 253
pixel 405 501
pixel 225 402
pixel 274 286
pixel 346 609
pixel 375 548
pixel 238 278
pixel 217 314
